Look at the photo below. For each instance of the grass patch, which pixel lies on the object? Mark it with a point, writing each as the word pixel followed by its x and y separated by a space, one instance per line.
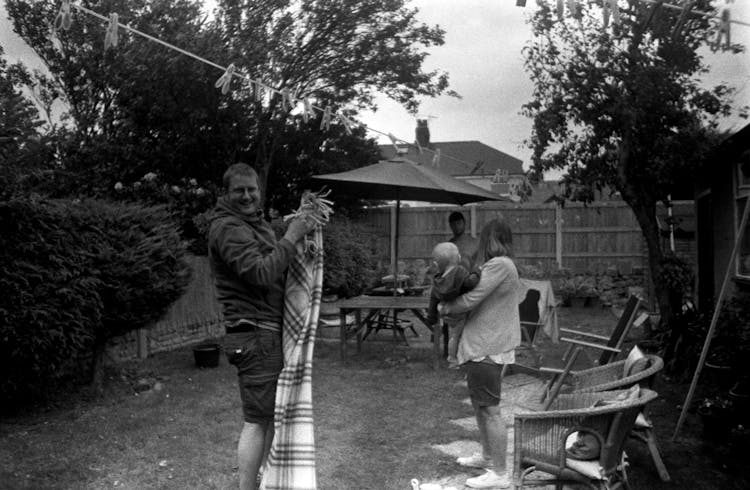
pixel 376 420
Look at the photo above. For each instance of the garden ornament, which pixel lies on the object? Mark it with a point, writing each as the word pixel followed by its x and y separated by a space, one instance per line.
pixel 225 80
pixel 110 35
pixel 64 19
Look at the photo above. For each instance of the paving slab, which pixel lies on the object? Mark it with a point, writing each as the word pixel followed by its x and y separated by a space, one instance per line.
pixel 520 394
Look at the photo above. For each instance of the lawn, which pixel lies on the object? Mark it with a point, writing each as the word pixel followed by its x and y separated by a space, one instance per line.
pixel 376 420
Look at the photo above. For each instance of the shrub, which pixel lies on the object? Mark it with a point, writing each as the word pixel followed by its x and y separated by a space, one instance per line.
pixel 74 274
pixel 350 259
pixel 49 308
pixel 188 201
pixel 676 276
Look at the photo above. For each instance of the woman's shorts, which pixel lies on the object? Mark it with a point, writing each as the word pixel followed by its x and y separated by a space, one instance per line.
pixel 484 380
pixel 258 357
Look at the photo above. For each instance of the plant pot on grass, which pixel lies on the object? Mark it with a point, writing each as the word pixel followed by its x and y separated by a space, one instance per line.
pixel 717 415
pixel 739 395
pixel 578 301
pixel 207 355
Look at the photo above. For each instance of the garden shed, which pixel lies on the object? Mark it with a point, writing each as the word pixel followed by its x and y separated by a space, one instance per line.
pixel 723 188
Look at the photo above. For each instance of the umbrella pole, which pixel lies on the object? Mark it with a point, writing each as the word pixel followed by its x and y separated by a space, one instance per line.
pixel 395 248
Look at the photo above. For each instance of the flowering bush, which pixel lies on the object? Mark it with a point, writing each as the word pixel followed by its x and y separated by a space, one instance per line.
pixel 186 199
pixel 715 404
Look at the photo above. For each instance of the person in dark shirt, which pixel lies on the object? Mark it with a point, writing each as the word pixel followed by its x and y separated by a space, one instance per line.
pixel 453 277
pixel 249 266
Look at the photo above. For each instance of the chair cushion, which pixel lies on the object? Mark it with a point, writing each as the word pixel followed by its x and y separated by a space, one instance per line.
pixel 631 394
pixel 642 422
pixel 591 469
pixel 635 362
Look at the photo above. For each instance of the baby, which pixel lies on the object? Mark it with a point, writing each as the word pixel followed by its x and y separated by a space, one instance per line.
pixel 453 277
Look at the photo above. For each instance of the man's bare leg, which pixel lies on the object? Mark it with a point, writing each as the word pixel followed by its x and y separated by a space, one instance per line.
pixel 250 453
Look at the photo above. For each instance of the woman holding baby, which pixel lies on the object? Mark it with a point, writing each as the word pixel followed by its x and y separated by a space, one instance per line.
pixel 492 331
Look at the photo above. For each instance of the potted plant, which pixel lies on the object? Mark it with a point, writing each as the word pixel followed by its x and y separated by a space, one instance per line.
pixel 717 414
pixel 579 290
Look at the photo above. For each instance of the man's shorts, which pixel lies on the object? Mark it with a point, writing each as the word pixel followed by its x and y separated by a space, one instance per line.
pixel 484 380
pixel 258 356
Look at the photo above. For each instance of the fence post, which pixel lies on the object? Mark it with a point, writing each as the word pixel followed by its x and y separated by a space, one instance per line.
pixel 393 235
pixel 558 235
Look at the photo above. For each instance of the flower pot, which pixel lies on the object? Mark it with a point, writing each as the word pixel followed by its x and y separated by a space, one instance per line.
pixel 593 302
pixel 717 424
pixel 577 301
pixel 207 355
pixel 718 375
pixel 740 396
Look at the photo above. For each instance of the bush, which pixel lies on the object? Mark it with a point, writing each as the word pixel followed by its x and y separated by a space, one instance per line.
pixel 74 274
pixel 350 259
pixel 189 202
pixel 676 276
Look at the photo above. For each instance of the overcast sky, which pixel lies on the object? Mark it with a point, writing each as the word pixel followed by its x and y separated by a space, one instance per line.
pixel 482 54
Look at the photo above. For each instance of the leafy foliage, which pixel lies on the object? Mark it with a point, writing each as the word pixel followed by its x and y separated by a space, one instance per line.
pixel 18 127
pixel 141 107
pixel 623 108
pixel 350 260
pixel 75 274
pixel 188 202
pixel 138 107
pixel 676 275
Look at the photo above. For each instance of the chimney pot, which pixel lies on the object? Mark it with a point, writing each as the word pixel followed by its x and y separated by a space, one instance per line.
pixel 423 133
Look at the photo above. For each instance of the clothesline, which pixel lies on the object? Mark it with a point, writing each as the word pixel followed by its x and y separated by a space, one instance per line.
pixel 287 98
pixel 229 70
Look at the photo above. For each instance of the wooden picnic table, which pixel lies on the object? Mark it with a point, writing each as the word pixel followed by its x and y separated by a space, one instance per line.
pixel 375 306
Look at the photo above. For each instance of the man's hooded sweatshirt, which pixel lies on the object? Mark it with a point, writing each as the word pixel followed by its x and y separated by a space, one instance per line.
pixel 249 265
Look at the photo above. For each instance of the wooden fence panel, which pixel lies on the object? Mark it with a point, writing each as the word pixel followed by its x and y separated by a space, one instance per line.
pixel 587 239
pixel 593 237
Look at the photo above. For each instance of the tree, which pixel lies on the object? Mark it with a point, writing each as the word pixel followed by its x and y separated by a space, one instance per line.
pixel 139 107
pixel 333 52
pixel 623 108
pixel 143 108
pixel 19 121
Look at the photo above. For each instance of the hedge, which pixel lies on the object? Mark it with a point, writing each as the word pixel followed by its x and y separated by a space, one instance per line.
pixel 74 274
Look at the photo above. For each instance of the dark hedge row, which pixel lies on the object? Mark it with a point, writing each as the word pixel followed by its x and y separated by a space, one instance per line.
pixel 73 274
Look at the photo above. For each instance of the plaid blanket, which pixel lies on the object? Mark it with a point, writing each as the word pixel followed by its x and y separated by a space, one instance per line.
pixel 291 462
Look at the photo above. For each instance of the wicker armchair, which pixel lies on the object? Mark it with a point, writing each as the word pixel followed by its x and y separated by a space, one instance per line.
pixel 610 377
pixel 602 378
pixel 540 437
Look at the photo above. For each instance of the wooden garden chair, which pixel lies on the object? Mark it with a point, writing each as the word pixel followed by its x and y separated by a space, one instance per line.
pixel 540 439
pixel 614 376
pixel 537 312
pixel 609 346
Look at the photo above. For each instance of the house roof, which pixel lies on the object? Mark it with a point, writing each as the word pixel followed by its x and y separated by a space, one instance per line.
pixel 459 158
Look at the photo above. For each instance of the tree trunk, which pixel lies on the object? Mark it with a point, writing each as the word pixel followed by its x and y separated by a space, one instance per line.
pixel 668 303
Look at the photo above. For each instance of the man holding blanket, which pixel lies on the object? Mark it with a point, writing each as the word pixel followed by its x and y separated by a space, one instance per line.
pixel 249 267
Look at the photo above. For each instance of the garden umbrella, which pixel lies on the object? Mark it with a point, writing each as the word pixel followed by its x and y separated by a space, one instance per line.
pixel 398 179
